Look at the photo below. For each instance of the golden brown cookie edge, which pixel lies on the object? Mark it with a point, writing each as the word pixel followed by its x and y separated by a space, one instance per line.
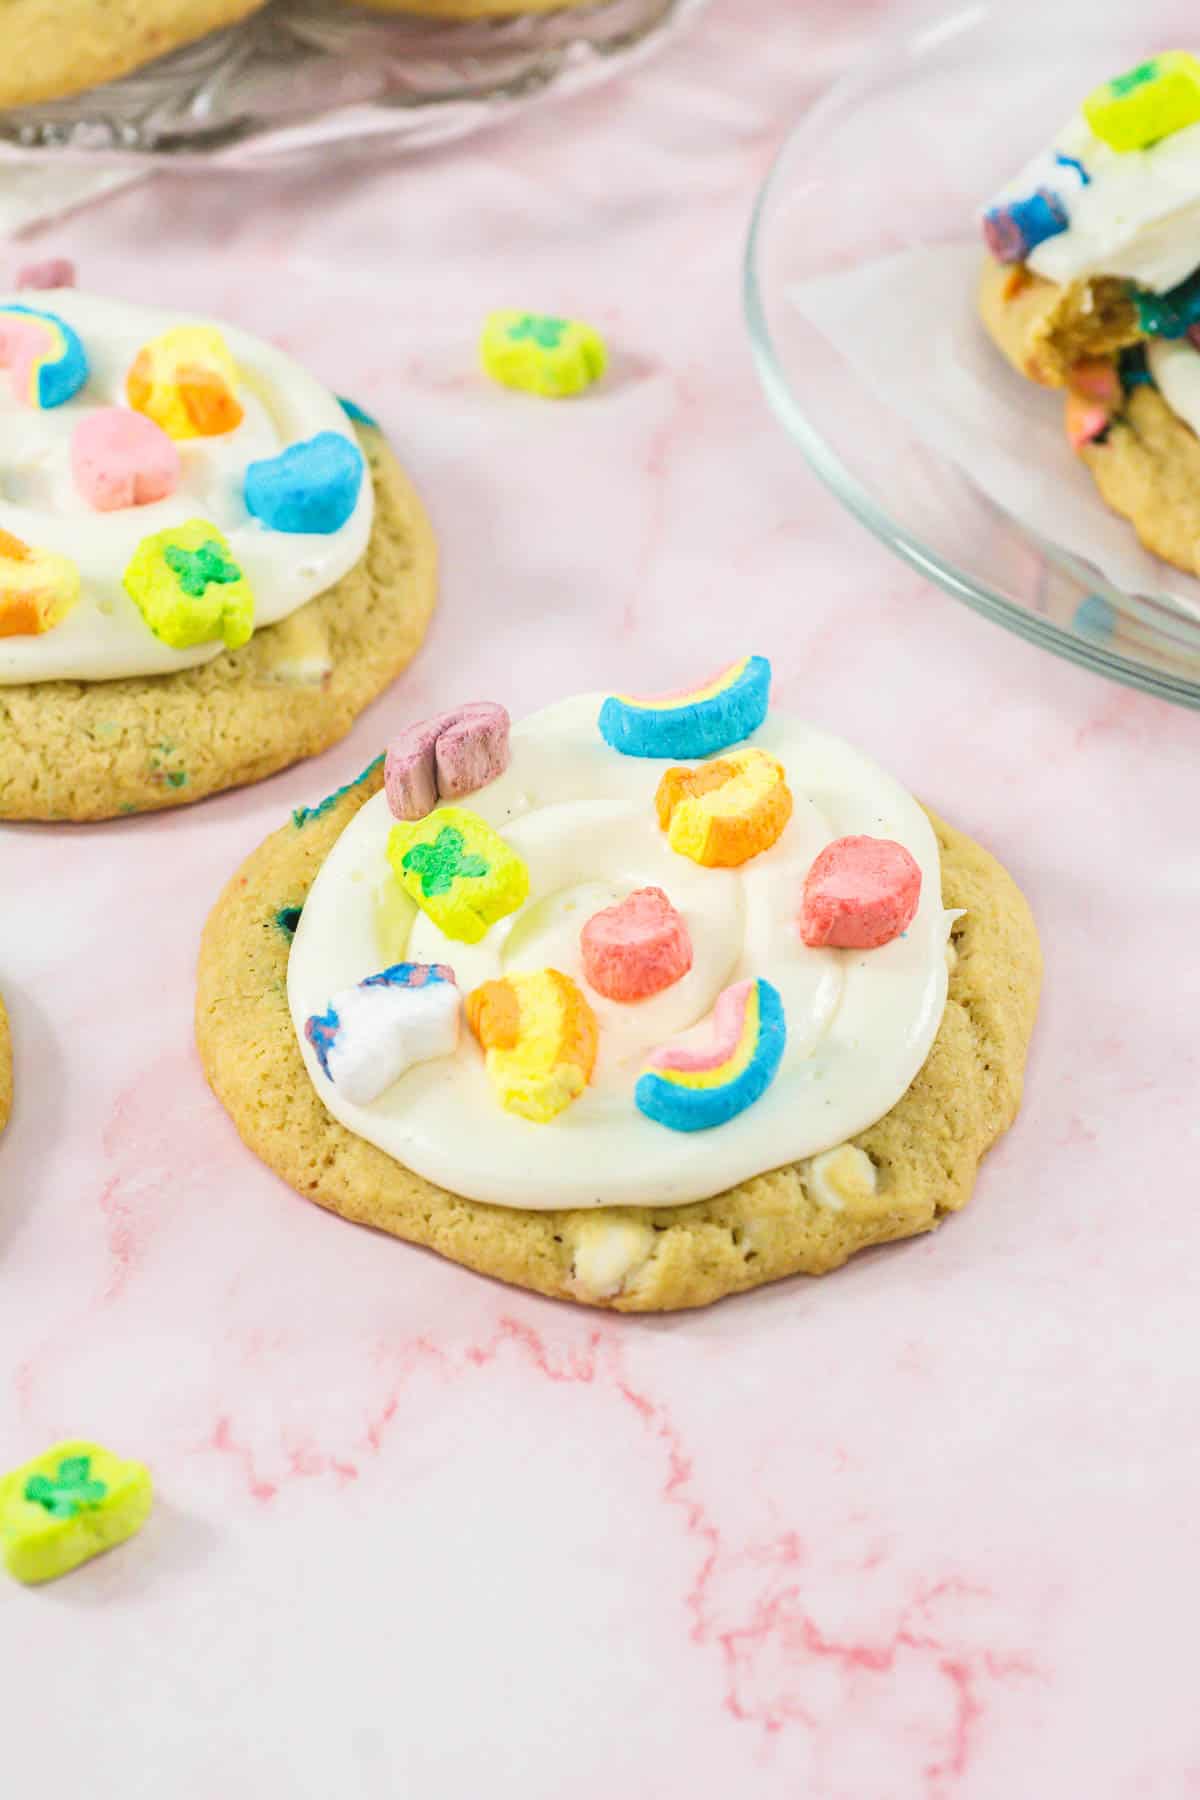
pixel 54 51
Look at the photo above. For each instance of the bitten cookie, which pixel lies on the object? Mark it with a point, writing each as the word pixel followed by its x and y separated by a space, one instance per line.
pixel 203 592
pixel 58 47
pixel 1092 285
pixel 6 1072
pixel 544 1046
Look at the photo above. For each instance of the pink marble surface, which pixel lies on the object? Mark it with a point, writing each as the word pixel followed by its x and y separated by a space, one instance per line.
pixel 925 1528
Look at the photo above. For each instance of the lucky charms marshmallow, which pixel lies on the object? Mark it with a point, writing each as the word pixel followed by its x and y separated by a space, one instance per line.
pixel 1091 285
pixel 639 1002
pixel 208 563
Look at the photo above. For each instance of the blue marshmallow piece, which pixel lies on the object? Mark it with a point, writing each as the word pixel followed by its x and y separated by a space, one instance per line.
pixel 310 487
pixel 698 722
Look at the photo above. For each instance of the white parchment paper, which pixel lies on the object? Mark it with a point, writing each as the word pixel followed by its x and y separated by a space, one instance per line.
pixel 908 327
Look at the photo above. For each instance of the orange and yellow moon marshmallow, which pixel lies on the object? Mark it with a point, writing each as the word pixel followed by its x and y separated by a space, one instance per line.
pixel 186 381
pixel 539 1037
pixel 38 588
pixel 724 812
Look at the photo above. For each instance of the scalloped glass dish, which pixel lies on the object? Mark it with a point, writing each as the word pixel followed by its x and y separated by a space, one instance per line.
pixel 309 75
pixel 893 162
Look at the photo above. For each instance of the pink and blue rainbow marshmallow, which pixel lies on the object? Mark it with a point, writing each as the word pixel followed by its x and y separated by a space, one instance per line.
pixel 46 362
pixel 697 722
pixel 692 1088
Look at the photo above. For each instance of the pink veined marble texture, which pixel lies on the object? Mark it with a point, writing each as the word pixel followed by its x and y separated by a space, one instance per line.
pixel 923 1530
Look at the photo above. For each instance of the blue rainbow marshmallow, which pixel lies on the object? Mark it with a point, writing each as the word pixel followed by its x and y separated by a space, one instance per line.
pixel 47 363
pixel 689 1088
pixel 697 722
pixel 311 486
pixel 370 1034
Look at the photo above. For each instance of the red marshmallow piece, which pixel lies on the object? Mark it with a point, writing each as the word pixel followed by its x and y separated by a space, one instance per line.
pixel 860 893
pixel 121 459
pixel 636 949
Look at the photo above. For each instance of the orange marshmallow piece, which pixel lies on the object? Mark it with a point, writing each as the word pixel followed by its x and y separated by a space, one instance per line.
pixel 539 1039
pixel 186 381
pixel 38 588
pixel 725 812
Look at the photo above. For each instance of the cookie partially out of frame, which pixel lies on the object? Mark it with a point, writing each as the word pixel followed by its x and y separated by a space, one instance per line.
pixel 6 1075
pixel 49 48
pixel 1147 467
pixel 93 750
pixel 925 1151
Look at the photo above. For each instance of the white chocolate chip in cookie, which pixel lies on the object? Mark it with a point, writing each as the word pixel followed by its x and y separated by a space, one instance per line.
pixel 843 1179
pixel 605 1253
pixel 298 650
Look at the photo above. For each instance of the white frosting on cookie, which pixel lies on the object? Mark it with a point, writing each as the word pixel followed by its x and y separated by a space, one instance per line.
pixel 859 1023
pixel 105 636
pixel 1175 366
pixel 1138 217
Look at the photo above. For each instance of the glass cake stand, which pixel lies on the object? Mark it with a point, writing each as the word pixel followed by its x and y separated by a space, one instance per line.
pixel 899 156
pixel 306 75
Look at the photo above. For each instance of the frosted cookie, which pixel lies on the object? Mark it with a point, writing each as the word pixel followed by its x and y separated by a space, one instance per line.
pixel 6 1073
pixel 1092 285
pixel 57 47
pixel 659 1093
pixel 208 565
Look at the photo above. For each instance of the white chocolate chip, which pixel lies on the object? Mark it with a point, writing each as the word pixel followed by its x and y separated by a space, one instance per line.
pixel 298 650
pixel 606 1252
pixel 841 1178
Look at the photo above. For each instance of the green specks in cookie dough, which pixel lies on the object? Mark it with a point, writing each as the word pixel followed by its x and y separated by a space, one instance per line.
pixel 164 766
pixel 189 589
pixel 287 919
